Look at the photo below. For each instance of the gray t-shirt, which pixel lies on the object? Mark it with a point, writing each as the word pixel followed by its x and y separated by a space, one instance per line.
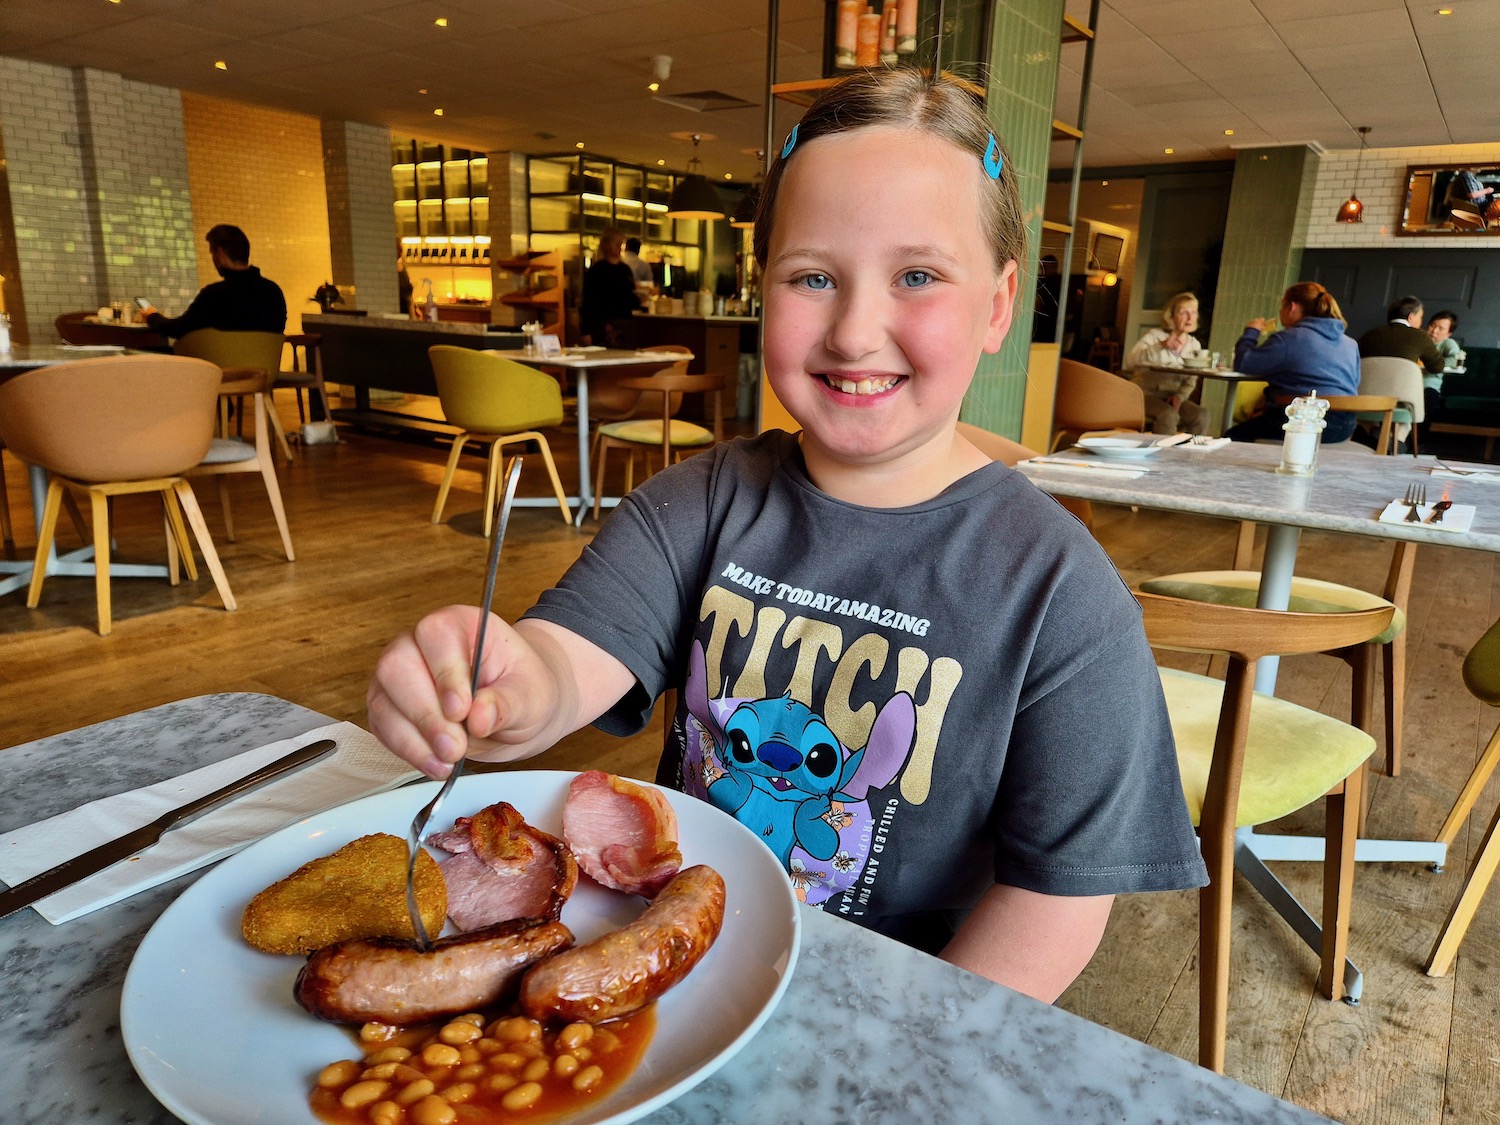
pixel 906 704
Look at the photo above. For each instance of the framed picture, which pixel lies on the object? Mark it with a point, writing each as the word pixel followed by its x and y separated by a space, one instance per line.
pixel 1106 252
pixel 1449 199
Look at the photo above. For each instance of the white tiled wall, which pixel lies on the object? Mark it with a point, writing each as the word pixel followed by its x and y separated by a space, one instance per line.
pixel 1382 189
pixel 361 220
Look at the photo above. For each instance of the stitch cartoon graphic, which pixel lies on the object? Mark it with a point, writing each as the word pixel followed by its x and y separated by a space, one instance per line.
pixel 776 766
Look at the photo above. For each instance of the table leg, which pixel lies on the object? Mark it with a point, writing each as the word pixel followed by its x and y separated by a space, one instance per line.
pixel 1226 414
pixel 1275 591
pixel 585 470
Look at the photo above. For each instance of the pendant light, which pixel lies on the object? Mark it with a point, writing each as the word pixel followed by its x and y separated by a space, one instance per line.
pixel 1353 211
pixel 744 212
pixel 694 197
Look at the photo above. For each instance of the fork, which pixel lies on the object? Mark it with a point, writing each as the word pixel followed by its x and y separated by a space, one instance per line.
pixel 1416 496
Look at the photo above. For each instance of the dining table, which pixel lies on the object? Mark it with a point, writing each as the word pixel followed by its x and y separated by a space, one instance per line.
pixel 579 362
pixel 867 1030
pixel 1348 492
pixel 16 575
pixel 1226 375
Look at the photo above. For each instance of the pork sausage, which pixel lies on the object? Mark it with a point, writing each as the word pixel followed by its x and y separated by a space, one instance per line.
pixel 390 980
pixel 628 968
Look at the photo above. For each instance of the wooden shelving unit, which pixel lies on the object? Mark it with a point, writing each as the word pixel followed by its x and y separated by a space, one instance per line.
pixel 545 301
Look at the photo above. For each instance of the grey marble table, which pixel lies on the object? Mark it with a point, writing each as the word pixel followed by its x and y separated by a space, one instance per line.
pixel 869 1031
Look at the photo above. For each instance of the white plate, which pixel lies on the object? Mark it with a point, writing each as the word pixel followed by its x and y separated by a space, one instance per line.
pixel 212 1029
pixel 1120 449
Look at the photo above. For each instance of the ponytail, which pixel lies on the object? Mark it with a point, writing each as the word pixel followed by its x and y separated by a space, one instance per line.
pixel 1313 300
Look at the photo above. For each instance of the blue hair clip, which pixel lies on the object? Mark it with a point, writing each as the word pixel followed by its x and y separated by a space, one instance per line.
pixel 791 143
pixel 994 162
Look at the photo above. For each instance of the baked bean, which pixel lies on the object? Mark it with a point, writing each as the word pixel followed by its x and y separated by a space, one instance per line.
pixel 605 1040
pixel 383 1071
pixel 516 1029
pixel 388 1054
pixel 524 1096
pixel 583 1054
pixel 386 1113
pixel 460 1092
pixel 565 1066
pixel 471 1017
pixel 433 1110
pixel 588 1078
pixel 470 1071
pixel 440 1054
pixel 536 1070
pixel 362 1094
pixel 488 1046
pixel 501 1082
pixel 415 1091
pixel 575 1035
pixel 340 1073
pixel 459 1032
pixel 377 1032
pixel 510 1059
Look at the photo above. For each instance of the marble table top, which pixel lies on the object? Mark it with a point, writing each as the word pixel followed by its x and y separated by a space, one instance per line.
pixel 869 1030
pixel 1239 481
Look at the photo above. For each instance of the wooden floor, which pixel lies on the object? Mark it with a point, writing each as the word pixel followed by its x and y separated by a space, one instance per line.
pixel 1417 1050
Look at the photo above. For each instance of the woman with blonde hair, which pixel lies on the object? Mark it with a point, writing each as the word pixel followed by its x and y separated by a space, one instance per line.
pixel 1311 354
pixel 1168 393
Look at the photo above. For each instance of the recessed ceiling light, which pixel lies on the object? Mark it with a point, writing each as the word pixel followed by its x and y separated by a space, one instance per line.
pixel 1104 183
pixel 1169 151
pixel 1229 132
pixel 578 145
pixel 1440 11
pixel 423 90
pixel 438 112
pixel 661 163
pixel 653 86
pixel 441 21
pixel 220 64
pixel 728 176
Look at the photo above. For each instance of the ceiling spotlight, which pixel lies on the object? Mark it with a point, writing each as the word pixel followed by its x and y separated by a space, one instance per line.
pixel 1229 132
pixel 661 163
pixel 1440 11
pixel 1169 151
pixel 423 90
pixel 438 112
pixel 441 21
pixel 694 197
pixel 579 146
pixel 653 86
pixel 220 64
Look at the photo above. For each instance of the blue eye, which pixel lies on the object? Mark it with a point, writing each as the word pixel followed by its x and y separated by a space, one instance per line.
pixel 916 279
pixel 815 281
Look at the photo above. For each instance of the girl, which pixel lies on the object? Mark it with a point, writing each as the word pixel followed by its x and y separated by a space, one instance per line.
pixel 893 655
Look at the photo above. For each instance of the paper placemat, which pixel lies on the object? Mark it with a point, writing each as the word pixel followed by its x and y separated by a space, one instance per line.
pixel 359 767
pixel 1460 517
pixel 1100 469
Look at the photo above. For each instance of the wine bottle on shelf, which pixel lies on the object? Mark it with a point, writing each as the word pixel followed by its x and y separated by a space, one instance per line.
pixel 867 49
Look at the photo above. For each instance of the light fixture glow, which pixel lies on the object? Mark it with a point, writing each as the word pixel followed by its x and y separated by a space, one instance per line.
pixel 579 146
pixel 423 90
pixel 1169 151
pixel 1229 132
pixel 1352 210
pixel 653 86
pixel 220 64
pixel 441 21
pixel 1440 11
pixel 1111 279
pixel 438 112
pixel 661 163
pixel 1104 183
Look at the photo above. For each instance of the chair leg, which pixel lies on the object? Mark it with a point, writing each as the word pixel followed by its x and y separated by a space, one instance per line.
pixel 76 517
pixel 442 496
pixel 273 493
pixel 194 516
pixel 1214 913
pixel 557 488
pixel 224 504
pixel 100 505
pixel 44 538
pixel 177 538
pixel 1338 880
pixel 492 483
pixel 1457 925
pixel 1394 658
pixel 1471 790
pixel 275 423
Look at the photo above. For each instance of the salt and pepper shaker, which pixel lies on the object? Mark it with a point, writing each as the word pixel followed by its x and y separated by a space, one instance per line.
pixel 1304 432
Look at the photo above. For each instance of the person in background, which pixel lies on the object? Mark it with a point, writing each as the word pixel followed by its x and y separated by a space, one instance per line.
pixel 631 256
pixel 1168 405
pixel 954 714
pixel 1469 200
pixel 1402 336
pixel 1440 329
pixel 608 290
pixel 403 285
pixel 1310 355
pixel 243 301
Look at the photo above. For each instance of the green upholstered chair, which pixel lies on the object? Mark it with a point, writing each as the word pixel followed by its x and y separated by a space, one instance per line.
pixel 1248 758
pixel 241 355
pixel 494 399
pixel 1482 678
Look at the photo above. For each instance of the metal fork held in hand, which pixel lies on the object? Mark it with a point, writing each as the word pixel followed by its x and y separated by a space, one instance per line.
pixel 1416 496
pixel 425 815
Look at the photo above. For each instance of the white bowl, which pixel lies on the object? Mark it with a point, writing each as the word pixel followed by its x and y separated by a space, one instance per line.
pixel 1122 449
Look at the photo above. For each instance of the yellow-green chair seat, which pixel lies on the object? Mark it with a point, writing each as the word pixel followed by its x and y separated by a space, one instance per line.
pixel 1482 667
pixel 1292 757
pixel 1309 595
pixel 647 431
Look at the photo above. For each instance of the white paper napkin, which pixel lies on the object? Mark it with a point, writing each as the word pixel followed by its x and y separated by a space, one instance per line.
pixel 1115 470
pixel 1457 518
pixel 1479 475
pixel 1211 443
pixel 359 767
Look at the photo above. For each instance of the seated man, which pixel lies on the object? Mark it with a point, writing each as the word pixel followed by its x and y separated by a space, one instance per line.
pixel 243 302
pixel 1403 336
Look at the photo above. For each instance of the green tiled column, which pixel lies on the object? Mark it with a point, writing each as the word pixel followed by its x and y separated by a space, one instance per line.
pixel 1022 84
pixel 1263 238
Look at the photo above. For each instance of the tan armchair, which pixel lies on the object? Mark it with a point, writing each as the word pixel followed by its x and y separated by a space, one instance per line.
pixel 1091 399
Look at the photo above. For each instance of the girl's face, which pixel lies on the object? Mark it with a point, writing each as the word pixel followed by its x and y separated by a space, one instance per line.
pixel 1185 319
pixel 881 292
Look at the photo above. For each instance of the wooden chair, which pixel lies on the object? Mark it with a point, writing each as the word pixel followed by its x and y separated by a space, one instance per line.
pixel 1481 673
pixel 111 427
pixel 240 355
pixel 6 531
pixel 1247 759
pixel 1402 380
pixel 611 401
pixel 1240 585
pixel 305 373
pixel 227 456
pixel 665 433
pixel 1009 452
pixel 1091 399
pixel 496 400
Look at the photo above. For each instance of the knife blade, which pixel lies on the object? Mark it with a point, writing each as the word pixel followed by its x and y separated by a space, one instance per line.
pixel 94 860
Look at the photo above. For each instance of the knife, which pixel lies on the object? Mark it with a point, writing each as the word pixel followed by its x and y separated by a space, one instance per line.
pixel 70 871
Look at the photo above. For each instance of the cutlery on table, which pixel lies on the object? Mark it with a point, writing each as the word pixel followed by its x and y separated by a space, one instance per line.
pixel 1416 496
pixel 80 867
pixel 428 811
pixel 1438 509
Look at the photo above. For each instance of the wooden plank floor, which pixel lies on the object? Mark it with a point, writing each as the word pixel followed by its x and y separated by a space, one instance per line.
pixel 1417 1050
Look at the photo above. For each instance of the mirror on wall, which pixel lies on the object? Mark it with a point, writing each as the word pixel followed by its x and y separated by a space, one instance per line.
pixel 1449 199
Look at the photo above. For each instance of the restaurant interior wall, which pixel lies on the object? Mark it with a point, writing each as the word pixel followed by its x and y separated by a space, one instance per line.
pixel 99 192
pixel 1181 243
pixel 361 226
pixel 1109 207
pixel 262 170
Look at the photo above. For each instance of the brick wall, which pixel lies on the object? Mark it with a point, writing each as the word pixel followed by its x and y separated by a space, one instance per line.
pixel 262 170
pixel 1382 189
pixel 361 219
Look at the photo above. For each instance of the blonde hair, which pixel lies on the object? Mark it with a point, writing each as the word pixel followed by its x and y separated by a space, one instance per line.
pixel 1169 310
pixel 1313 300
pixel 940 105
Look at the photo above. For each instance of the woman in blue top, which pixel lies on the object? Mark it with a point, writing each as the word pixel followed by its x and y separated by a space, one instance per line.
pixel 1310 354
